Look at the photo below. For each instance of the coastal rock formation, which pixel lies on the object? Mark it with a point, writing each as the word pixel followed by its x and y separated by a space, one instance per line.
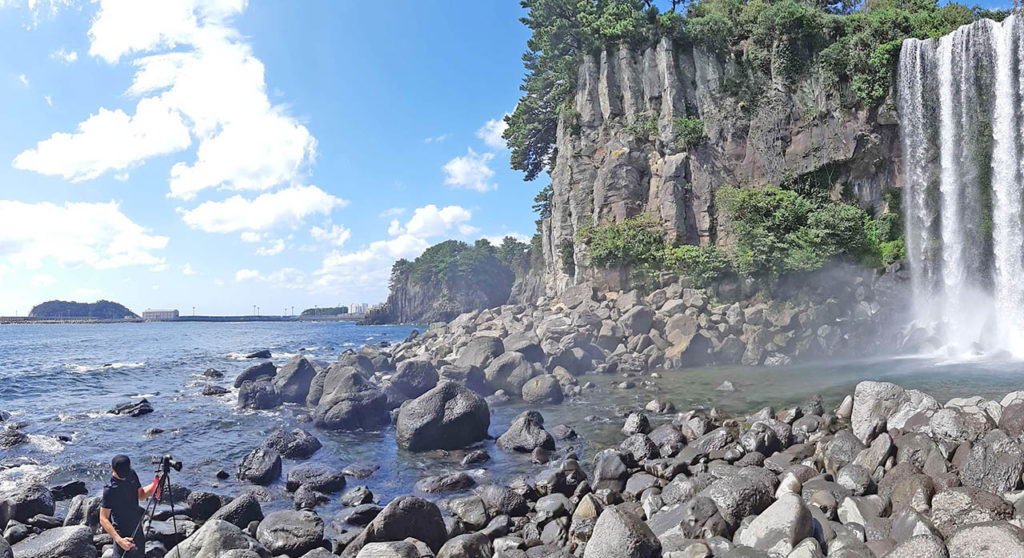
pixel 605 171
pixel 448 416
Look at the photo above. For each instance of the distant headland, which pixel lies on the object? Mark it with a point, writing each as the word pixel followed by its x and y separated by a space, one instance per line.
pixel 105 311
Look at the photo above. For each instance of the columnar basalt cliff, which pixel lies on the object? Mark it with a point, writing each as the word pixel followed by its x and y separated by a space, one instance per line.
pixel 758 131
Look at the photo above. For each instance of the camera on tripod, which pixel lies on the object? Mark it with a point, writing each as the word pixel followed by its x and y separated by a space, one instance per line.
pixel 167 463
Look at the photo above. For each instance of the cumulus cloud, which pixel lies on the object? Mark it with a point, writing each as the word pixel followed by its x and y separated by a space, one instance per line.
pixel 272 249
pixel 392 212
pixel 288 278
pixel 288 207
pixel 333 234
pixel 246 274
pixel 187 270
pixel 491 133
pixel 64 56
pixel 198 79
pixel 428 221
pixel 92 234
pixel 23 79
pixel 470 172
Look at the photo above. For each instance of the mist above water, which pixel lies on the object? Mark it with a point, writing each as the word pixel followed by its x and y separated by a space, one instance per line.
pixel 960 102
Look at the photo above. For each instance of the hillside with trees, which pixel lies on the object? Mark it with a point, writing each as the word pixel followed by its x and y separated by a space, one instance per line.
pixel 100 310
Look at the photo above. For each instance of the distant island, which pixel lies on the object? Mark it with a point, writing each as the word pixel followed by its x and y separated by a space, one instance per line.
pixel 100 310
pixel 332 311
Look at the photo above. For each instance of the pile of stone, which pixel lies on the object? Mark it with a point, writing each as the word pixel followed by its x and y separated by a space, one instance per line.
pixel 891 472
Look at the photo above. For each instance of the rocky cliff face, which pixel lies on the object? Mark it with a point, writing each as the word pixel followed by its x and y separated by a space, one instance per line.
pixel 423 302
pixel 603 172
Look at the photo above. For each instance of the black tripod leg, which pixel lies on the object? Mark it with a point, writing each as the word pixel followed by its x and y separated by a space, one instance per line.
pixel 174 521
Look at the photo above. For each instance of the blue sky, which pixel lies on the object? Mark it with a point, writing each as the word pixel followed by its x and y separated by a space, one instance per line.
pixel 223 154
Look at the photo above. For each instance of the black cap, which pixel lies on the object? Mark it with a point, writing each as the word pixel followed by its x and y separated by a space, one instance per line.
pixel 121 465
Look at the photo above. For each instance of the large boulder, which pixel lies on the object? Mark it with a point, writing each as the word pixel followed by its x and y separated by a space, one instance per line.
pixel 619 533
pixel 292 444
pixel 366 409
pixel 480 351
pixel 449 416
pixel 473 545
pixel 509 372
pixel 258 395
pixel 404 517
pixel 542 389
pixel 637 320
pixel 502 500
pixel 526 433
pixel 739 496
pixel 780 527
pixel 262 370
pixel 83 511
pixel 954 508
pixel 217 539
pixel 986 539
pixel 61 542
pixel 293 380
pixel 5 548
pixel 240 512
pixel 20 501
pixel 994 464
pixel 291 532
pixel 317 477
pixel 414 377
pixel 878 406
pixel 526 343
pixel 260 466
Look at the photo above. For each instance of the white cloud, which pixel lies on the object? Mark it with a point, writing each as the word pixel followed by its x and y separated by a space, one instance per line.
pixel 246 274
pixel 428 221
pixel 23 79
pixel 48 99
pixel 468 230
pixel 42 280
pixel 251 237
pixel 335 234
pixel 273 249
pixel 194 68
pixel 491 133
pixel 497 239
pixel 159 267
pixel 288 207
pixel 395 228
pixel 392 212
pixel 109 140
pixel 470 171
pixel 187 270
pixel 436 139
pixel 64 56
pixel 92 234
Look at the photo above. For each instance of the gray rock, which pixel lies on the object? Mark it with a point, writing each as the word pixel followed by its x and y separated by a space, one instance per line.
pixel 23 500
pixel 994 464
pixel 218 539
pixel 956 507
pixel 83 511
pixel 881 405
pixel 291 532
pixel 526 343
pixel 293 444
pixel 475 545
pixel 480 351
pixel 637 320
pixel 452 482
pixel 779 527
pixel 448 416
pixel 258 395
pixel 260 466
pixel 471 510
pixel 265 370
pixel 317 477
pixel 919 547
pixel 982 540
pixel 414 377
pixel 501 500
pixel 62 542
pixel 542 389
pixel 5 549
pixel 619 533
pixel 365 409
pixel 293 380
pixel 636 423
pixel 202 505
pixel 1012 419
pixel 526 433
pixel 739 496
pixel 509 372
pixel 404 517
pixel 239 512
pixel 394 549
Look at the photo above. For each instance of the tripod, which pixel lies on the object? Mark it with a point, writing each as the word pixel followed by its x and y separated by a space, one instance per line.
pixel 162 492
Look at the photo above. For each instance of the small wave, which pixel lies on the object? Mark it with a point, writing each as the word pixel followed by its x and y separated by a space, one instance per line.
pixel 285 356
pixel 237 356
pixel 31 473
pixel 80 368
pixel 46 444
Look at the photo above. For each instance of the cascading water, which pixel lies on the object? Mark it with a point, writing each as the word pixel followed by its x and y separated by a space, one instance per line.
pixel 961 105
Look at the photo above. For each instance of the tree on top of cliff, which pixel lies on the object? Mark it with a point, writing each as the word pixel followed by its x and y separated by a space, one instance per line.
pixel 100 310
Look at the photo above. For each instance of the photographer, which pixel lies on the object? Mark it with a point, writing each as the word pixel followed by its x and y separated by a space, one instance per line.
pixel 120 514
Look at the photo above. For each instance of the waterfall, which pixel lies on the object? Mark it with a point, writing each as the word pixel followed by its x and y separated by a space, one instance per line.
pixel 960 101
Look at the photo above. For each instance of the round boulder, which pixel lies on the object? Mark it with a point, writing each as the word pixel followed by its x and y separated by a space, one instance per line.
pixel 293 444
pixel 316 477
pixel 449 416
pixel 526 433
pixel 261 466
pixel 542 389
pixel 62 542
pixel 291 532
pixel 404 517
pixel 618 533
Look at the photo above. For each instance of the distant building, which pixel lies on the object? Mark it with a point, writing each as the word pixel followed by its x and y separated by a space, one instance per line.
pixel 160 315
pixel 358 308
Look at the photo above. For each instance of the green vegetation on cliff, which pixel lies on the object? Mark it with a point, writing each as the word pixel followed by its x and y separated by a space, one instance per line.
pixel 331 311
pixel 771 40
pixel 100 310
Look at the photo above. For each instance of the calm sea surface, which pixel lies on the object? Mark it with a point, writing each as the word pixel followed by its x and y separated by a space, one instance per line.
pixel 61 379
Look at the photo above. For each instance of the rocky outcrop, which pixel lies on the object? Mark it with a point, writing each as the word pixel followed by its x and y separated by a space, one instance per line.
pixel 605 171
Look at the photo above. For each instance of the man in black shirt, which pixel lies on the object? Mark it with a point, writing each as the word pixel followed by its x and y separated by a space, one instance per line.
pixel 120 514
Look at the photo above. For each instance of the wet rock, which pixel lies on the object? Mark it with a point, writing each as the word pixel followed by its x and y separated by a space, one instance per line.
pixel 62 542
pixel 213 373
pixel 404 517
pixel 133 409
pixel 10 437
pixel 293 444
pixel 542 389
pixel 290 532
pixel 293 380
pixel 448 416
pixel 475 457
pixel 501 500
pixel 83 511
pixel 317 477
pixel 219 538
pixel 68 490
pixel 356 496
pixel 362 514
pixel 526 433
pixel 618 533
pixel 364 408
pixel 202 505
pixel 452 482
pixel 263 370
pixel 240 512
pixel 260 466
pixel 213 391
pixel 636 423
pixel 263 353
pixel 471 510
pixel 258 395
pixel 22 500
